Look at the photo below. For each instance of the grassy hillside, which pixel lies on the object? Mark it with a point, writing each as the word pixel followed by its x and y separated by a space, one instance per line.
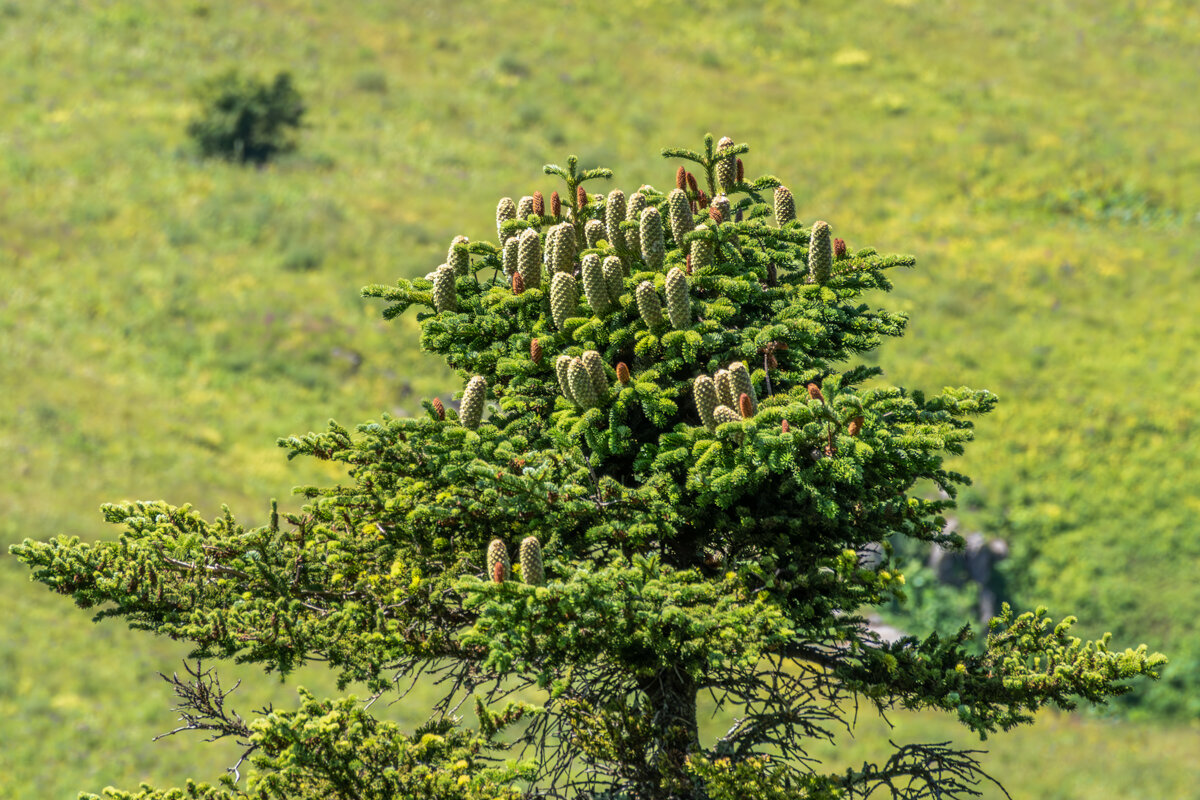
pixel 163 320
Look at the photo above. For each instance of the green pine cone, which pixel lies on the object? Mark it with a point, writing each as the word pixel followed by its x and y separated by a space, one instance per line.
pixel 614 278
pixel 525 206
pixel 458 258
pixel 649 306
pixel 497 553
pixel 633 239
pixel 532 570
pixel 595 286
pixel 614 215
pixel 650 235
pixel 702 251
pixel 726 167
pixel 820 253
pixel 529 258
pixel 564 297
pixel 470 411
pixel 444 296
pixel 679 214
pixel 560 248
pixel 785 206
pixel 562 365
pixel 582 390
pixel 725 393
pixel 509 258
pixel 704 392
pixel 594 364
pixel 505 211
pixel 679 304
pixel 593 231
pixel 723 414
pixel 742 385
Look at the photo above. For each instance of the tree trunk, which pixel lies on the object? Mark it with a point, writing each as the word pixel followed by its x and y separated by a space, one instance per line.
pixel 672 696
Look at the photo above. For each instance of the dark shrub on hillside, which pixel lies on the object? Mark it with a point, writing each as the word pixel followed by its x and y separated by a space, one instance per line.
pixel 245 120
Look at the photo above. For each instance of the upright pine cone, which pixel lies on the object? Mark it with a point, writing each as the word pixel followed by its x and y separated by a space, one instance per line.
pixel 595 286
pixel 622 373
pixel 594 364
pixel 820 253
pixel 529 258
pixel 681 178
pixel 784 427
pixel 539 204
pixel 679 303
pixel 583 392
pixel 593 231
pixel 518 283
pixel 723 414
pixel 650 236
pixel 679 214
pixel 535 351
pixel 726 167
pixel 741 171
pixel 555 205
pixel 692 186
pixel 470 411
pixel 444 297
pixel 785 206
pixel 614 215
pixel 508 257
pixel 458 258
pixel 564 297
pixel 524 207
pixel 562 366
pixel 532 570
pixel 742 385
pixel 499 566
pixel 633 211
pixel 649 306
pixel 745 407
pixel 855 427
pixel 505 210
pixel 701 252
pixel 839 249
pixel 724 208
pixel 560 248
pixel 614 278
pixel 439 408
pixel 581 197
pixel 704 391
pixel 815 393
pixel 725 393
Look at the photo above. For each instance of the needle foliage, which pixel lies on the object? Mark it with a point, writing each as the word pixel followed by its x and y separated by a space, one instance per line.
pixel 670 475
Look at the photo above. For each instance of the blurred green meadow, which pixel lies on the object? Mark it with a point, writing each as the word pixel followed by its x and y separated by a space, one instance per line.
pixel 164 319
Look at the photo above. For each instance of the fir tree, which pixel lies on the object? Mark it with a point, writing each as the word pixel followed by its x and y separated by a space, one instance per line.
pixel 691 495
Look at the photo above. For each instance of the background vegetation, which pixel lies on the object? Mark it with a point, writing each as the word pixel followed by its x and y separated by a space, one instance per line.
pixel 163 319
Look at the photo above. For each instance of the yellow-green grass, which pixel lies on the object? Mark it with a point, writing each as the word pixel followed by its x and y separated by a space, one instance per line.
pixel 163 320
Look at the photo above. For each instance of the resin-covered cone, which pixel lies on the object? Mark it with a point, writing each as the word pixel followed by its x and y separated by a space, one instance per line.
pixel 614 278
pixel 633 211
pixel 704 392
pixel 560 248
pixel 820 253
pixel 564 298
pixel 679 215
pixel 594 364
pixel 595 287
pixel 649 306
pixel 583 392
pixel 679 303
pixel 470 411
pixel 614 215
pixel 458 257
pixel 529 258
pixel 742 385
pixel 532 570
pixel 785 206
pixel 650 236
pixel 506 210
pixel 444 296
pixel 499 566
pixel 701 251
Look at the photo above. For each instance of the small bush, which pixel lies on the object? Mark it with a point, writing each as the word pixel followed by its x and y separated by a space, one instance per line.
pixel 245 120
